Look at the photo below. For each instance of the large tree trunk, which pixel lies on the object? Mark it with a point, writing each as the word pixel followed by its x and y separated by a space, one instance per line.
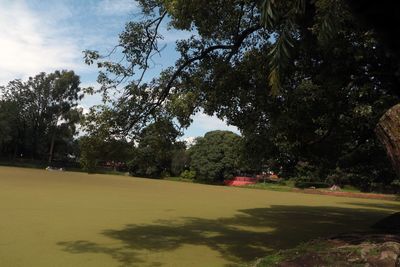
pixel 388 132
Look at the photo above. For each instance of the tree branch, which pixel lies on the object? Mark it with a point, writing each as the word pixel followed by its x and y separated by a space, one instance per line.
pixel 234 48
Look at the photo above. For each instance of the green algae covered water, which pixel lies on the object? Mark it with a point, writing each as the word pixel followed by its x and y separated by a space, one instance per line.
pixel 76 219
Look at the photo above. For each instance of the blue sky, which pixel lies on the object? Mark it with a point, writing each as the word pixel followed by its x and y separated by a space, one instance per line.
pixel 45 35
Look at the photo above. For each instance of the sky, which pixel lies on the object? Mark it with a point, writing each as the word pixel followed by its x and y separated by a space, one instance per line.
pixel 46 35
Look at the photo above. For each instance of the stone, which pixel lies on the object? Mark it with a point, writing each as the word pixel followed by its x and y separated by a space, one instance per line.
pixel 387 254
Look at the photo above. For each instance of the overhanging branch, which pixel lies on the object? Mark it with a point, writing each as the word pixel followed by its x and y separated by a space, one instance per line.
pixel 234 48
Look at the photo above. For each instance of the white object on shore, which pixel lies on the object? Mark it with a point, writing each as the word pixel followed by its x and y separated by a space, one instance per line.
pixel 334 188
pixel 49 168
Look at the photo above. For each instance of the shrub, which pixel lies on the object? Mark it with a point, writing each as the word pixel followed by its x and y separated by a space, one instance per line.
pixel 165 174
pixel 188 175
pixel 338 177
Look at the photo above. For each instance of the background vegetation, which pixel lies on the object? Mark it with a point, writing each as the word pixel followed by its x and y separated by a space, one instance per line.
pixel 305 82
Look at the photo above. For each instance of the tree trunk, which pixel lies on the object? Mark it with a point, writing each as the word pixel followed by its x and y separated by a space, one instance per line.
pixel 51 152
pixel 388 132
pixel 15 152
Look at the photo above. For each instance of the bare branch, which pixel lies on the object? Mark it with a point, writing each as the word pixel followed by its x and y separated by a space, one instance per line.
pixel 152 45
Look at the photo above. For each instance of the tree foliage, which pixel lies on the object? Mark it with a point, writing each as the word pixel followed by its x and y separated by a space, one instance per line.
pixel 299 21
pixel 225 34
pixel 337 79
pixel 95 150
pixel 216 156
pixel 157 146
pixel 39 116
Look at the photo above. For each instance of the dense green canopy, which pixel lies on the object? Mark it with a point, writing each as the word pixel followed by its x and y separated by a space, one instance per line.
pixel 38 117
pixel 338 79
pixel 216 156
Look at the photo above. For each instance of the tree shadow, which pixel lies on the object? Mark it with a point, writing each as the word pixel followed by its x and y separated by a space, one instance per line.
pixel 387 206
pixel 123 255
pixel 249 234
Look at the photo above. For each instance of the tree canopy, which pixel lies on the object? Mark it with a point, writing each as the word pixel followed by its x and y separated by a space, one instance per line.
pixel 156 146
pixel 222 40
pixel 338 78
pixel 304 81
pixel 39 116
pixel 216 156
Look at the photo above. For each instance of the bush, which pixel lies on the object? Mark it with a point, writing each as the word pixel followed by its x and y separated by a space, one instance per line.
pixel 338 177
pixel 165 174
pixel 306 171
pixel 188 175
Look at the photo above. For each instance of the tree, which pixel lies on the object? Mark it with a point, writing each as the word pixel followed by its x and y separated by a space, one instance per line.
pixel 45 112
pixel 299 21
pixel 180 161
pixel 225 33
pixel 388 132
pixel 222 69
pixel 8 126
pixel 293 16
pixel 99 144
pixel 90 149
pixel 95 149
pixel 157 144
pixel 215 156
pixel 326 111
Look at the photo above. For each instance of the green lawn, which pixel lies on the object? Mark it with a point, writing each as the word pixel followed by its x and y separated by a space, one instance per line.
pixel 75 219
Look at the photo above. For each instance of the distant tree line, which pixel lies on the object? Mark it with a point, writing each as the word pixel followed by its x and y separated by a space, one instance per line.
pixel 220 155
pixel 309 139
pixel 309 136
pixel 39 117
pixel 158 153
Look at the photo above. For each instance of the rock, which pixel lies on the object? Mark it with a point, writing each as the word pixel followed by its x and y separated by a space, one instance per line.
pixel 387 254
pixel 365 251
pixel 376 262
pixel 392 246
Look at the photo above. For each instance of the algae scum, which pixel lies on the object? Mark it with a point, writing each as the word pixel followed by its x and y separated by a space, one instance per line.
pixel 77 219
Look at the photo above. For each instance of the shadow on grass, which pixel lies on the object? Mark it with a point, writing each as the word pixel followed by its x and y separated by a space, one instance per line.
pixel 249 234
pixel 123 255
pixel 386 206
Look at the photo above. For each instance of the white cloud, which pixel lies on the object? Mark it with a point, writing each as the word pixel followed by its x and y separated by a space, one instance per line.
pixel 189 141
pixel 29 45
pixel 202 123
pixel 116 7
pixel 85 110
